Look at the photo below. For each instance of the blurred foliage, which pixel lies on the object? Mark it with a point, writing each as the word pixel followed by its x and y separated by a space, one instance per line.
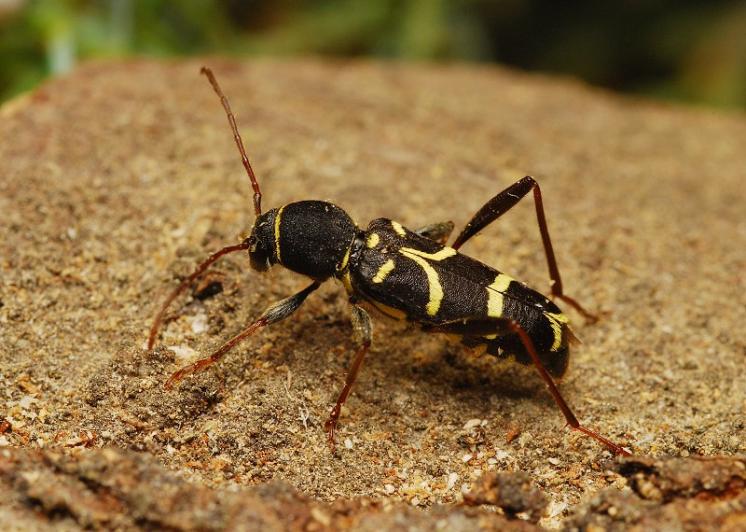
pixel 676 49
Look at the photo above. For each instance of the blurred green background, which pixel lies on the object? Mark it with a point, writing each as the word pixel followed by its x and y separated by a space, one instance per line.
pixel 685 50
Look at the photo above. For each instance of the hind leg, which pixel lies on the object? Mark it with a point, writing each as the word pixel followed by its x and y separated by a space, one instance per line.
pixel 502 203
pixel 479 327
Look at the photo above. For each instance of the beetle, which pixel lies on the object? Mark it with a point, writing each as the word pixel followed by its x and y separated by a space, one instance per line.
pixel 405 275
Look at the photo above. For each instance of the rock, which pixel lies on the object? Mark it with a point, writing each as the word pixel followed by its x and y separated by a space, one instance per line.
pixel 114 489
pixel 671 494
pixel 119 178
pixel 511 492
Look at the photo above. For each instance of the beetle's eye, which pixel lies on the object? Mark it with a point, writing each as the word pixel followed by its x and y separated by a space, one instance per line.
pixel 251 242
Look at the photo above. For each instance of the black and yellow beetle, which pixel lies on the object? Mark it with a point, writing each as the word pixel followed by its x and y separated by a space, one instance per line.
pixel 407 275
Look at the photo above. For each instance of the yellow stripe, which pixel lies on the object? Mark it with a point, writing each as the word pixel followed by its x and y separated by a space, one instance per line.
pixel 383 271
pixel 373 240
pixel 438 256
pixel 345 260
pixel 277 234
pixel 347 282
pixel 436 291
pixel 495 297
pixel 433 281
pixel 558 316
pixel 556 320
pixel 398 228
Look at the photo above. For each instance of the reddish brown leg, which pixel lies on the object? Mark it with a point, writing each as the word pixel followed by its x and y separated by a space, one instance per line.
pixel 204 363
pixel 362 327
pixel 569 416
pixel 274 313
pixel 188 281
pixel 501 204
pixel 480 326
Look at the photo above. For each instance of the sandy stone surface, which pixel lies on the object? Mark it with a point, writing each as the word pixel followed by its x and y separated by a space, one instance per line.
pixel 117 179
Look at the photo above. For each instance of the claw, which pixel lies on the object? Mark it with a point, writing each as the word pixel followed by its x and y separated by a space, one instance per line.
pixel 330 426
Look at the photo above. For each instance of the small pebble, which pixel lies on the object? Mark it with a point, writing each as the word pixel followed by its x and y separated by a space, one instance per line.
pixel 501 455
pixel 472 423
pixel 183 352
pixel 199 323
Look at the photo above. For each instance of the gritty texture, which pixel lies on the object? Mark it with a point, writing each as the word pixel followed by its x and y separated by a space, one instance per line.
pixel 512 492
pixel 696 493
pixel 116 489
pixel 118 179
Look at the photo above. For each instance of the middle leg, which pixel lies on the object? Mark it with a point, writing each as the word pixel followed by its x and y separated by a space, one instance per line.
pixel 439 232
pixel 363 332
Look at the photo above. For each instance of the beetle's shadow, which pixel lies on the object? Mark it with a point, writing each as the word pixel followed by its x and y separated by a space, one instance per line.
pixel 459 369
pixel 440 368
pixel 402 356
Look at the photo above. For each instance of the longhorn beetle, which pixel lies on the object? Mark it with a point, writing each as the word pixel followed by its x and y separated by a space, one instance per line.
pixel 406 275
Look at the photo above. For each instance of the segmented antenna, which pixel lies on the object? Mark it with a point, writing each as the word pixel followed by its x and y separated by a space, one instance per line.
pixel 246 244
pixel 237 137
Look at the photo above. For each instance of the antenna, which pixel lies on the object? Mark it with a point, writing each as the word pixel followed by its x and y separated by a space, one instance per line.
pixel 237 137
pixel 246 244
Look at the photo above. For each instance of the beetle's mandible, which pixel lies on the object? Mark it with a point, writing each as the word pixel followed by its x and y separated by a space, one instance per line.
pixel 406 275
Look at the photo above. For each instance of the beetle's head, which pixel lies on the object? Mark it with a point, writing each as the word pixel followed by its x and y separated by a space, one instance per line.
pixel 262 242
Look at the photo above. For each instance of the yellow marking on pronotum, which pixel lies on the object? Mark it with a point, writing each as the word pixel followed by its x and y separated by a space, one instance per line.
pixel 347 282
pixel 433 281
pixel 556 319
pixel 277 233
pixel 373 240
pixel 383 271
pixel 345 260
pixel 495 295
pixel 398 228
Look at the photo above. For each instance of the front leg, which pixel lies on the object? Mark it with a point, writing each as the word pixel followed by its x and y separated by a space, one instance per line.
pixel 246 244
pixel 362 332
pixel 274 313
